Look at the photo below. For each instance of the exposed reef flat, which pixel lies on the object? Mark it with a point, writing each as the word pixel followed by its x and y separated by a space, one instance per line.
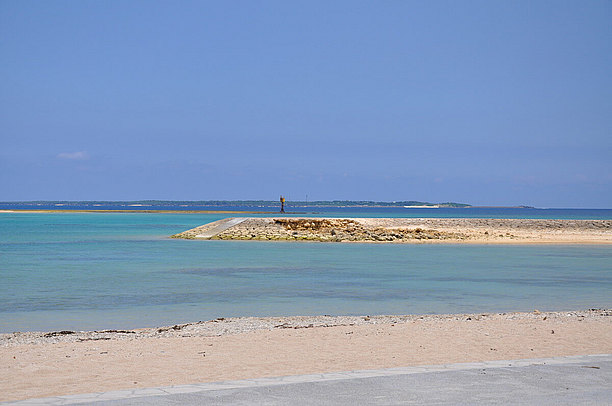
pixel 407 230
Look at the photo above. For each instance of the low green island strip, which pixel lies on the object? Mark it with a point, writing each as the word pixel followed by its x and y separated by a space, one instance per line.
pixel 406 230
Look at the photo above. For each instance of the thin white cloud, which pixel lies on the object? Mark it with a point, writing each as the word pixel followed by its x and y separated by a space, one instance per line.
pixel 75 156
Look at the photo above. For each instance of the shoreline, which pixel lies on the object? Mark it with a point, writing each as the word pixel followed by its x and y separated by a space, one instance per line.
pixel 42 364
pixel 406 230
pixel 224 326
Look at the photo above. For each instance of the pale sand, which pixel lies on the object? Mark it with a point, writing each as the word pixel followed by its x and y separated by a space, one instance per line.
pixel 413 230
pixel 32 365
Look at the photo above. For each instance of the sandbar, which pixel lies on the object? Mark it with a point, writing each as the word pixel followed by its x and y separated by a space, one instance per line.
pixel 409 230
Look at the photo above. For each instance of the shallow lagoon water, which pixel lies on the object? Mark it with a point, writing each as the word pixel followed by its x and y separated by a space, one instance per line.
pixel 86 271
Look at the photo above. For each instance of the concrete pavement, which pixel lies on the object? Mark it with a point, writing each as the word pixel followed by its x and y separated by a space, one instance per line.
pixel 222 226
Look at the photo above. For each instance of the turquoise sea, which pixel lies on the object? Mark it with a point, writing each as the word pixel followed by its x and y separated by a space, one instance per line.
pixel 83 271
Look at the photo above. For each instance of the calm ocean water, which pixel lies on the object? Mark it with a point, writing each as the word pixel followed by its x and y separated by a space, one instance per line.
pixel 116 270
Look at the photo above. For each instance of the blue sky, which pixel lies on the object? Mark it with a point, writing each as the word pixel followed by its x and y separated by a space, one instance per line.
pixel 483 102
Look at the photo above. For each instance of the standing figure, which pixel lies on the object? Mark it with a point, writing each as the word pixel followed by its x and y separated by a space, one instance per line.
pixel 282 200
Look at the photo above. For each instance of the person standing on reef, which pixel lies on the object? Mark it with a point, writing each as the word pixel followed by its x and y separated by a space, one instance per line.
pixel 282 200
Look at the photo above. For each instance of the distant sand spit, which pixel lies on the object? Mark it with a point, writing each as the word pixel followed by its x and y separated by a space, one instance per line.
pixel 130 211
pixel 407 230
pixel 60 363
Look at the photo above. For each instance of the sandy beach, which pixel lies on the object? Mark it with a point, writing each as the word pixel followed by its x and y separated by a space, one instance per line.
pixel 407 230
pixel 59 363
pixel 43 364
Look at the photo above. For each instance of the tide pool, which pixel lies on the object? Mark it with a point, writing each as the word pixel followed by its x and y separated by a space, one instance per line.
pixel 85 271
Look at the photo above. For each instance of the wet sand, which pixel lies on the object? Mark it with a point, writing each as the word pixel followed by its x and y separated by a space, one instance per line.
pixel 60 363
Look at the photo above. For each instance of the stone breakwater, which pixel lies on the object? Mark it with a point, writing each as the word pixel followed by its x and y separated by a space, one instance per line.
pixel 408 230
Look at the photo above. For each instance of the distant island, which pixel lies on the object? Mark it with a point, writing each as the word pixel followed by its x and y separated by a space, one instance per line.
pixel 161 204
pixel 370 203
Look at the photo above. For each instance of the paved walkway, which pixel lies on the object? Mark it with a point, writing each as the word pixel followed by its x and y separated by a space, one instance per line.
pixel 224 225
pixel 584 380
